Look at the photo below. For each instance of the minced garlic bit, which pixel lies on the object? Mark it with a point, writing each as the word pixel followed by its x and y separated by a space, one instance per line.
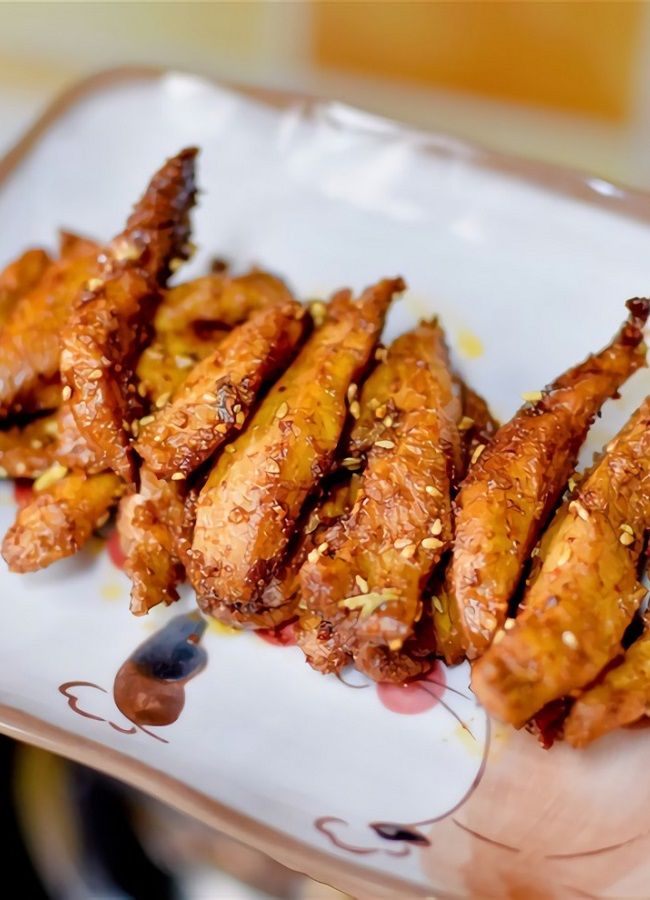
pixel 125 250
pixel 66 393
pixel 351 462
pixel 437 604
pixel 272 467
pixel 432 491
pixel 352 392
pixel 476 454
pixel 409 551
pixel 565 555
pixel 362 584
pixel 163 399
pixel 532 396
pixel 570 640
pixel 626 538
pixel 178 476
pixel 579 510
pixel 386 445
pixel 282 410
pixel 436 527
pixel 368 603
pixel 431 543
pixel 50 476
pixel 318 311
pixel 465 423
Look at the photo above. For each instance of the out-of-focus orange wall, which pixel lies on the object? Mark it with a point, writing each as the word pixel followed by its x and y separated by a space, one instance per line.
pixel 576 56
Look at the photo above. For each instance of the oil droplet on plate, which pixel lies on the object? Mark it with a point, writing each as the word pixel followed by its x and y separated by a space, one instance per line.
pixel 470 346
pixel 111 591
pixel 224 630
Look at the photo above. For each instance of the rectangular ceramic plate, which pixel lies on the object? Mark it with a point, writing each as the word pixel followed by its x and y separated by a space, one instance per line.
pixel 390 790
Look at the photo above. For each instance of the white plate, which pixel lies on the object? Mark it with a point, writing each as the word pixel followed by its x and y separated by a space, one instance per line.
pixel 528 268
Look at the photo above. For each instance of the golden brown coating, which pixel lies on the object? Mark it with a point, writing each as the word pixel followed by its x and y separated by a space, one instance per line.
pixel 248 509
pixel 149 523
pixel 75 246
pixel 59 520
pixel 477 426
pixel 217 396
pixel 27 451
pixel 620 697
pixel 513 485
pixel 375 563
pixel 19 277
pixel 577 609
pixel 30 336
pixel 112 320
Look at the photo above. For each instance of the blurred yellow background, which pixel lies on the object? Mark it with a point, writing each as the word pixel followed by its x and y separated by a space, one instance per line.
pixel 567 82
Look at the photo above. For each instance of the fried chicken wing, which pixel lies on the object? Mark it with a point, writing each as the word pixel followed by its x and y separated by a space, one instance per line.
pixel 111 323
pixel 59 520
pixel 575 612
pixel 620 698
pixel 216 398
pixel 30 336
pixel 150 524
pixel 27 451
pixel 20 277
pixel 376 561
pixel 514 484
pixel 248 509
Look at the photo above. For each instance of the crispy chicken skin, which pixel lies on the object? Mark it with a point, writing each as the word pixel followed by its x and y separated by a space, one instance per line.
pixel 587 591
pixel 26 452
pixel 30 336
pixel 514 484
pixel 112 320
pixel 477 426
pixel 216 398
pixel 59 520
pixel 150 524
pixel 19 277
pixel 376 562
pixel 193 317
pixel 620 698
pixel 254 496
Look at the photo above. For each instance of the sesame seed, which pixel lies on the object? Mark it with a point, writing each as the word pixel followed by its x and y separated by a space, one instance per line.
pixel 157 438
pixel 175 264
pixel 565 555
pixel 272 467
pixel 352 392
pixel 3 472
pixel 142 389
pixel 579 509
pixel 240 418
pixel 436 527
pixel 322 547
pixel 570 640
pixel 66 393
pixel 146 420
pixel 362 584
pixel 355 409
pixel 477 452
pixel 509 624
pixel 236 407
pixel 386 445
pixel 183 362
pixel 499 636
pixel 124 250
pixel 281 411
pixel 409 551
pixel 373 404
pixel 178 476
pixel 395 644
pixel 532 396
pixel 626 538
pixel 35 444
pixel 51 428
pixel 162 400
pixel 626 527
pixel 431 543
pixel 312 556
pixel 534 552
pixel 465 423
pixel 209 397
pixel 572 484
pixel 351 463
pixel 95 375
pixel 102 520
pixel 221 427
pixel 21 468
pixel 437 604
pixel 433 491
pixel 93 284
pixel 381 353
pixel 381 411
pixel 401 542
pixel 318 312
pixel 388 421
pixel 55 473
pixel 135 428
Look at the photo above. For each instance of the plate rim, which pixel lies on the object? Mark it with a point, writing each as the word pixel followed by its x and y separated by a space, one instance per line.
pixel 318 864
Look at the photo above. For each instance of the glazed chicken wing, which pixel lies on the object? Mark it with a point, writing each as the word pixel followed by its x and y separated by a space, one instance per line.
pixel 254 496
pixel 374 563
pixel 216 398
pixel 514 484
pixel 575 612
pixel 30 341
pixel 59 520
pixel 20 277
pixel 112 320
pixel 620 698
